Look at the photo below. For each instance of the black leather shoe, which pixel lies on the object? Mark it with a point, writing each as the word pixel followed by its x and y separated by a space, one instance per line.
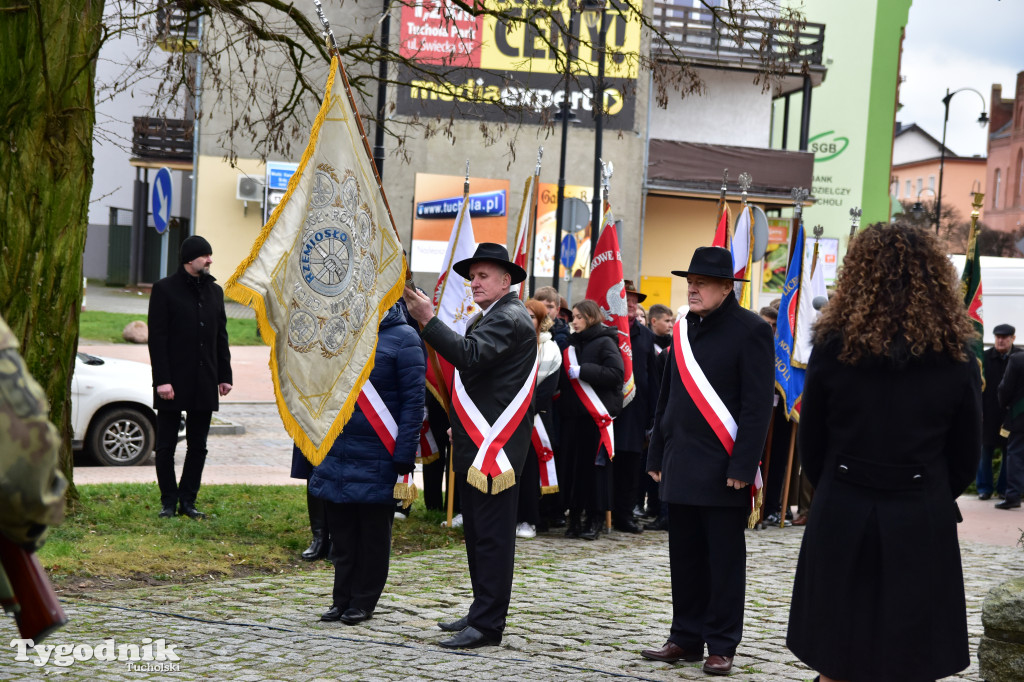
pixel 353 615
pixel 628 527
pixel 469 638
pixel 1009 503
pixel 660 523
pixel 456 625
pixel 672 652
pixel 167 512
pixel 718 665
pixel 190 511
pixel 332 615
pixel 985 496
pixel 317 549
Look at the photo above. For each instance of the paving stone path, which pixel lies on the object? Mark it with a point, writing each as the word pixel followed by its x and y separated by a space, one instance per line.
pixel 580 611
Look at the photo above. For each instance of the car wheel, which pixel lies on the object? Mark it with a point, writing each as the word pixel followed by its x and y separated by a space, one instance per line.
pixel 121 437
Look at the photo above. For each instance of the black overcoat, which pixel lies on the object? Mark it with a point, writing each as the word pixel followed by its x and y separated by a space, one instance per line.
pixel 494 358
pixel 879 591
pixel 188 341
pixel 632 424
pixel 993 414
pixel 734 348
pixel 600 362
pixel 1011 393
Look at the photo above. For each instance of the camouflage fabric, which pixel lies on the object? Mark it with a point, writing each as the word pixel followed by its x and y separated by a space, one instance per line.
pixel 31 487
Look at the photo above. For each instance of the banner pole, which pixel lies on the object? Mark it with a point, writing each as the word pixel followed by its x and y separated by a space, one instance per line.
pixel 789 474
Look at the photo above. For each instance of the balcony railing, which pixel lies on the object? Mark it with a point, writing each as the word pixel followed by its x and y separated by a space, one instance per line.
pixel 162 138
pixel 700 34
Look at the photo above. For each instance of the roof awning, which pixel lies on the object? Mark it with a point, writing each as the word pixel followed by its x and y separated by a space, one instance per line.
pixel 694 169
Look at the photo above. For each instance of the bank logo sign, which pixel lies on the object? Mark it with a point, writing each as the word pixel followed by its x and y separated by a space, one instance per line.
pixel 484 65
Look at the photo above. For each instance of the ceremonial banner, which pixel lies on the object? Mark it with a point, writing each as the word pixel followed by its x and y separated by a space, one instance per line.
pixel 453 301
pixel 322 272
pixel 789 378
pixel 742 255
pixel 812 285
pixel 607 289
pixel 970 286
pixel 722 230
pixel 520 251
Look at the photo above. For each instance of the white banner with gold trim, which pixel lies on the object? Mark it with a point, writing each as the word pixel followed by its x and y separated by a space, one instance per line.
pixel 322 272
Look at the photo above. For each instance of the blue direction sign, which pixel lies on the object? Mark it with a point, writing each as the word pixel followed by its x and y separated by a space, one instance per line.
pixel 160 199
pixel 568 252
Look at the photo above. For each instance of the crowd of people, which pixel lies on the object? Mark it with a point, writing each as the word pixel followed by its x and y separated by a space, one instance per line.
pixel 540 439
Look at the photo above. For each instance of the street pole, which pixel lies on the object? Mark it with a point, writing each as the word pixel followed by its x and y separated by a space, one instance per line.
pixel 597 211
pixel 382 90
pixel 983 119
pixel 566 112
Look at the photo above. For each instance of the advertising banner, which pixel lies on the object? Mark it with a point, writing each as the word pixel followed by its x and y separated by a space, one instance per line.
pixel 544 250
pixel 437 200
pixel 483 62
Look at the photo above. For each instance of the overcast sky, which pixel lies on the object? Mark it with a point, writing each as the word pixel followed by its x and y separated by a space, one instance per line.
pixel 956 44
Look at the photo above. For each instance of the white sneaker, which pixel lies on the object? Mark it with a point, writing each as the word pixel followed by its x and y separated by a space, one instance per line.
pixel 399 516
pixel 456 522
pixel 526 530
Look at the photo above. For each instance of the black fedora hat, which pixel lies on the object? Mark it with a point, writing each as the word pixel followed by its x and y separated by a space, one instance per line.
pixel 710 261
pixel 494 253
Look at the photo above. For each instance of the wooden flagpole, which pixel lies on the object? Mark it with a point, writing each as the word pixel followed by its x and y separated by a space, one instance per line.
pixel 767 462
pixel 789 474
pixel 531 235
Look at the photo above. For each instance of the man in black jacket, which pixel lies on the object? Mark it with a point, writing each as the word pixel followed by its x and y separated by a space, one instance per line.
pixel 191 361
pixel 496 365
pixel 1011 398
pixel 710 427
pixel 994 361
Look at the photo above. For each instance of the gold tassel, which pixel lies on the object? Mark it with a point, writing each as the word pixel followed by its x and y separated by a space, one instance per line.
pixel 503 481
pixel 477 479
pixel 428 460
pixel 548 489
pixel 407 493
pixel 755 514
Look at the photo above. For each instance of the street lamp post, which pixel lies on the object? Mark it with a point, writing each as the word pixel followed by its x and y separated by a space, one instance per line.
pixel 566 116
pixel 917 210
pixel 598 104
pixel 982 120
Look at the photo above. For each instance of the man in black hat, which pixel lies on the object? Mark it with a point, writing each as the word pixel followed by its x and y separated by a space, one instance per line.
pixel 496 363
pixel 188 350
pixel 1011 400
pixel 994 361
pixel 710 427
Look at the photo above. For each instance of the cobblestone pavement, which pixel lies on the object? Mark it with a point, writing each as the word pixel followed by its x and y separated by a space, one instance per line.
pixel 580 611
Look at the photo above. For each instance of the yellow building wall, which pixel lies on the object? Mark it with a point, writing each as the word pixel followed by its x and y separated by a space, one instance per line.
pixel 223 220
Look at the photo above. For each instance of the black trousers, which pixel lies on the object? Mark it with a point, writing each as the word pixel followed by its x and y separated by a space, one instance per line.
pixel 197 425
pixel 360 552
pixel 625 480
pixel 708 560
pixel 489 523
pixel 529 490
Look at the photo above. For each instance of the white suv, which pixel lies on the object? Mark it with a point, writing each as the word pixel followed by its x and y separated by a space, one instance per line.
pixel 112 410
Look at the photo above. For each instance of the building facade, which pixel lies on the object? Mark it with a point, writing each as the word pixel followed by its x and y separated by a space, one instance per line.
pixel 1004 203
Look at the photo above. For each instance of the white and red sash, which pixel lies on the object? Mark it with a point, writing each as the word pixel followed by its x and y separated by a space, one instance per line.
pixel 704 396
pixel 588 396
pixel 545 457
pixel 490 439
pixel 384 424
pixel 428 452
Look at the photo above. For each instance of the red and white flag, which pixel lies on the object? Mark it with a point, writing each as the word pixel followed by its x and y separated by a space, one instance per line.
pixel 520 251
pixel 453 301
pixel 384 425
pixel 742 255
pixel 608 290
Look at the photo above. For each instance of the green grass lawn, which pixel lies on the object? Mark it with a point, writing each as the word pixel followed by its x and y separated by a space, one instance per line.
pixel 96 325
pixel 112 533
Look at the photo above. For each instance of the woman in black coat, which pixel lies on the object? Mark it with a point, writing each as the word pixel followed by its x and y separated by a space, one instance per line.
pixel 598 363
pixel 890 433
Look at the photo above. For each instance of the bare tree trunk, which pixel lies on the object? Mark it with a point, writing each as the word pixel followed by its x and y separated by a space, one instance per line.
pixel 48 54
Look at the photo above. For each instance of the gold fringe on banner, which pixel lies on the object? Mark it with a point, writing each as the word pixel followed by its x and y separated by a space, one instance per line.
pixel 548 489
pixel 755 514
pixel 477 479
pixel 429 460
pixel 407 493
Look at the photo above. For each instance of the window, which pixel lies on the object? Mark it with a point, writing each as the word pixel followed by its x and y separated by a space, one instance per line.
pixel 931 182
pixel 908 189
pixel 998 187
pixel 1020 178
pixel 920 186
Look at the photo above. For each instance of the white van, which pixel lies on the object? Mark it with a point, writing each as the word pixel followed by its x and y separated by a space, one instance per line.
pixel 1002 292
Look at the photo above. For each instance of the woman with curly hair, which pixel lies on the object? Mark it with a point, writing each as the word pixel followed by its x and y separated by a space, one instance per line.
pixel 890 433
